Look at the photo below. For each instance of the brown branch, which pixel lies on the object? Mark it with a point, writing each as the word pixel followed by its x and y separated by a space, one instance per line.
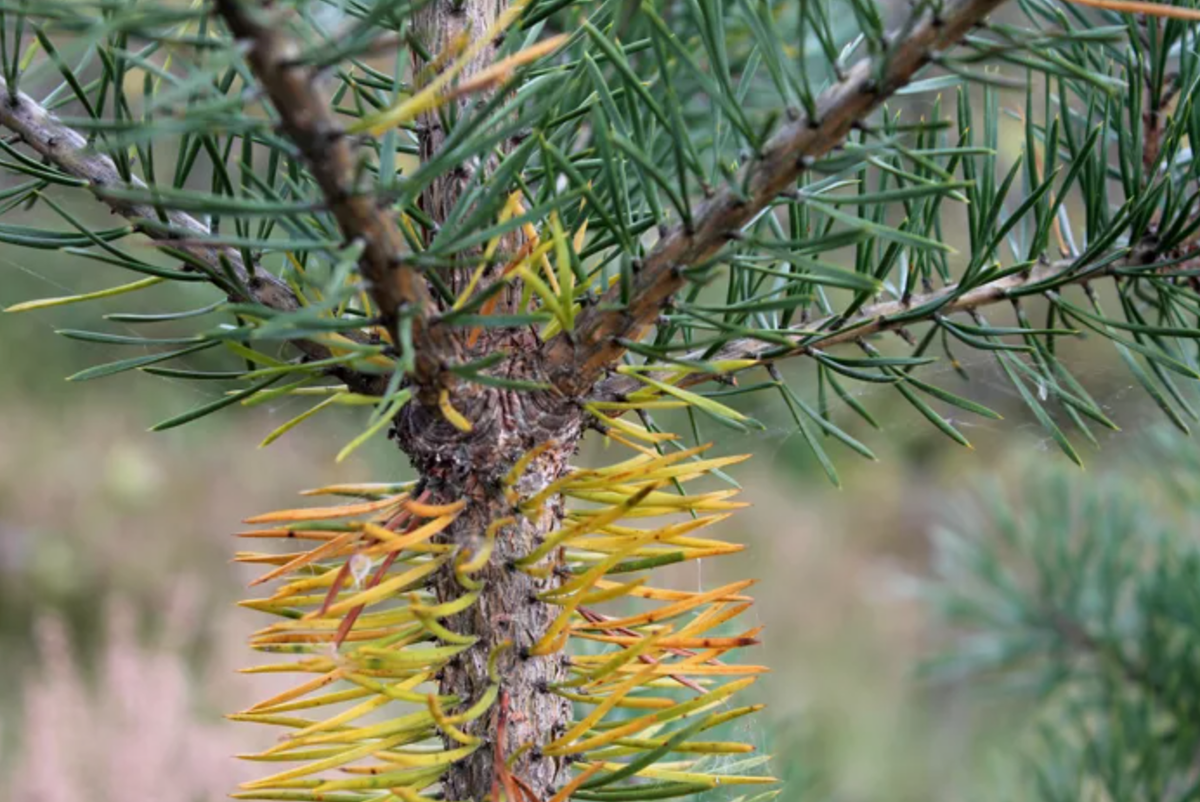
pixel 893 315
pixel 578 359
pixel 397 287
pixel 68 150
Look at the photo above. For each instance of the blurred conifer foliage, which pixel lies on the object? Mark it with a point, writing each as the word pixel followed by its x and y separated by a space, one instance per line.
pixel 1080 595
pixel 490 228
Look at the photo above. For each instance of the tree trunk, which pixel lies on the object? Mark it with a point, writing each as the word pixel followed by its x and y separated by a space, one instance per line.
pixel 455 465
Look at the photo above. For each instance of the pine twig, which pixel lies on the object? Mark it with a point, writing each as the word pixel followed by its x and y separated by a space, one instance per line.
pixel 578 359
pixel 893 315
pixel 396 286
pixel 68 150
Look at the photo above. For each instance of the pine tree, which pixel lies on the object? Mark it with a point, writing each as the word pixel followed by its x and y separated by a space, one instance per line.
pixel 501 226
pixel 1077 597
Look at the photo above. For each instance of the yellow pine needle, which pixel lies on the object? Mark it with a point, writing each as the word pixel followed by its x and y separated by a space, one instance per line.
pixel 695 399
pixel 428 759
pixel 661 717
pixel 407 794
pixel 424 510
pixel 662 503
pixel 629 702
pixel 596 671
pixel 403 658
pixel 383 590
pixel 540 255
pixel 295 693
pixel 327 513
pixel 628 428
pixel 416 778
pixel 692 778
pixel 685 546
pixel 329 548
pixel 592 719
pixel 563 794
pixel 394 691
pixel 337 722
pixel 347 756
pixel 502 69
pixel 358 634
pixel 337 697
pixel 435 93
pixel 387 618
pixel 400 727
pixel 566 275
pixel 289 757
pixel 446 725
pixel 634 465
pixel 374 429
pixel 1138 7
pixel 339 345
pixel 511 205
pixel 632 745
pixel 47 303
pixel 521 465
pixel 698 669
pixel 267 718
pixel 361 489
pixel 669 611
pixel 586 580
pixel 617 438
pixel 670 531
pixel 662 594
pixel 625 406
pixel 717 366
pixel 608 594
pixel 407 540
pixel 296 421
pixel 313 665
pixel 713 617
pixel 475 563
pixel 682 642
pixel 434 627
pixel 611 536
pixel 601 518
pixel 544 293
pixel 683 472
pixel 456 418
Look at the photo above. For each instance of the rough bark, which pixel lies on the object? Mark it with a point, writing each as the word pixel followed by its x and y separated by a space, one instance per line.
pixel 455 465
pixel 438 25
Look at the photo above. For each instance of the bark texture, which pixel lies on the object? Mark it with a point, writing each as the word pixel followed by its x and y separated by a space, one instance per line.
pixel 439 25
pixel 455 465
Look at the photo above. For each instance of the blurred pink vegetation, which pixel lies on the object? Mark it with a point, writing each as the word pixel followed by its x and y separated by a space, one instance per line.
pixel 149 724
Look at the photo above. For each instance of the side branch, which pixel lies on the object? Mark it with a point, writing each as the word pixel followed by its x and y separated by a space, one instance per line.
pixel 578 359
pixel 68 150
pixel 397 288
pixel 888 316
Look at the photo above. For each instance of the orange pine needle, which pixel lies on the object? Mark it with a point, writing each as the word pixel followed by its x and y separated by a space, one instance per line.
pixel 326 513
pixel 1140 7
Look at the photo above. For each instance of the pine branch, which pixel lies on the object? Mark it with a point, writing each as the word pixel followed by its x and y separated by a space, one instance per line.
pixel 578 359
pixel 68 150
pixel 397 287
pixel 892 315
